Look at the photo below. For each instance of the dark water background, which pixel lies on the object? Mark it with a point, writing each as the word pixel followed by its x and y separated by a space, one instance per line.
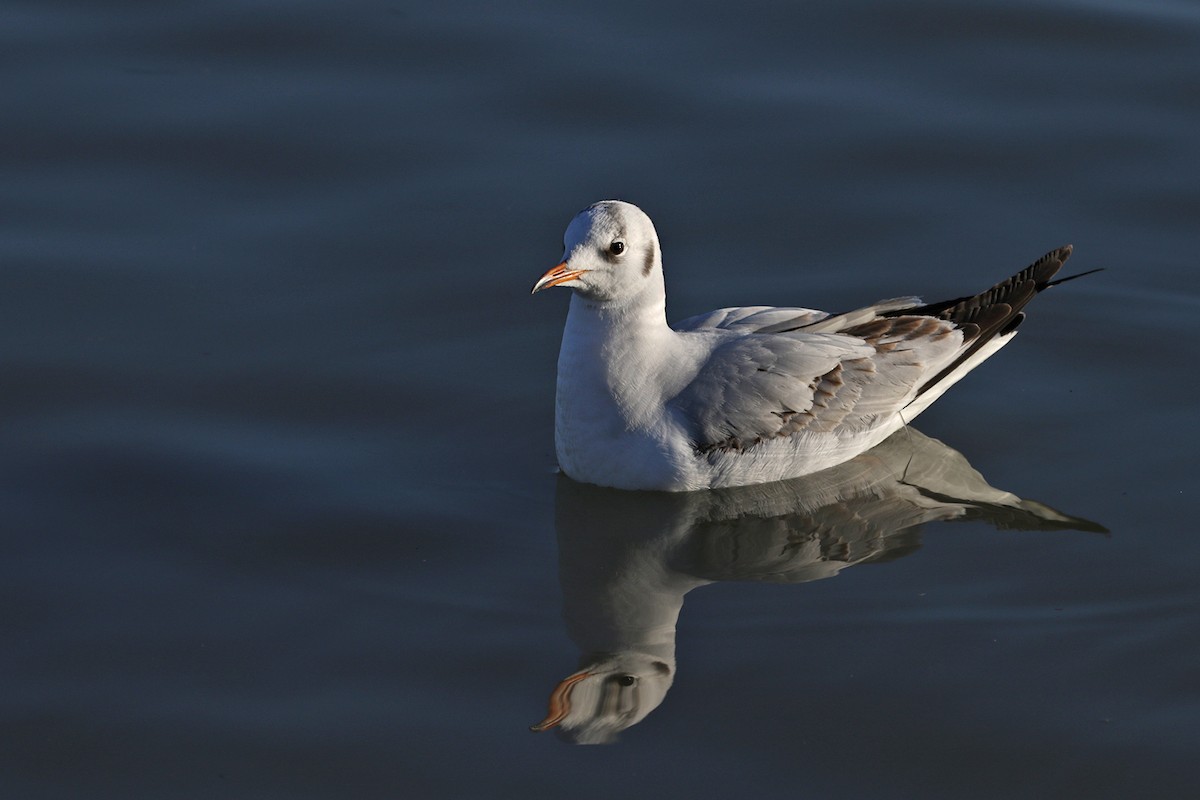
pixel 277 458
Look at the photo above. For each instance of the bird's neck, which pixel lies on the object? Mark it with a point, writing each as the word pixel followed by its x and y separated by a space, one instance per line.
pixel 611 324
pixel 619 352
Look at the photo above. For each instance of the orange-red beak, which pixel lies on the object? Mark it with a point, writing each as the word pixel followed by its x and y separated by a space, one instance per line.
pixel 560 701
pixel 555 276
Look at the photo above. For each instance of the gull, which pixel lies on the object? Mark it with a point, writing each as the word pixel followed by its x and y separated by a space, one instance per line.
pixel 745 395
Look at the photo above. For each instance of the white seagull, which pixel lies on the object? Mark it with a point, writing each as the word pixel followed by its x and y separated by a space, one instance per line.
pixel 745 395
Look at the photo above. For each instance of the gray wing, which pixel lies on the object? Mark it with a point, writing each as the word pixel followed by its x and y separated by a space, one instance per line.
pixel 751 319
pixel 798 370
pixel 840 322
pixel 773 319
pixel 759 387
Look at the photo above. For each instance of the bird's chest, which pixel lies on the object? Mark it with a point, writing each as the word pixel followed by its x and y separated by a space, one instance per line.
pixel 611 426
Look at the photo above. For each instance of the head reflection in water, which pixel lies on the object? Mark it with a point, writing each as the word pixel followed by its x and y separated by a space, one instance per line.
pixel 596 703
pixel 626 559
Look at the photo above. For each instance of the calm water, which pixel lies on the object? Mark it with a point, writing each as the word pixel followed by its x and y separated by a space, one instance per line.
pixel 282 517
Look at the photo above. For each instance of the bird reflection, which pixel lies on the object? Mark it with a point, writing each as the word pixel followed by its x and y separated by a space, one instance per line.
pixel 626 559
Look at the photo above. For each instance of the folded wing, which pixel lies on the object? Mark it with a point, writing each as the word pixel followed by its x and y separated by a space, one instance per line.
pixel 799 371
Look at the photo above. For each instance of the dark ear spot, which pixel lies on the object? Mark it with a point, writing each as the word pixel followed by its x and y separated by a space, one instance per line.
pixel 649 265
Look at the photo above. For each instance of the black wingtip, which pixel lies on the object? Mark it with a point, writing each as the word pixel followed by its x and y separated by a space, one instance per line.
pixel 1012 324
pixel 996 312
pixel 1073 277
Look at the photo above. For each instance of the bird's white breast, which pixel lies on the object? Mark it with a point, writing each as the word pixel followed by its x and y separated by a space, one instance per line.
pixel 613 425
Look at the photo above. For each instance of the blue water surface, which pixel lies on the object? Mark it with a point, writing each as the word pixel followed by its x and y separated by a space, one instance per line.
pixel 278 460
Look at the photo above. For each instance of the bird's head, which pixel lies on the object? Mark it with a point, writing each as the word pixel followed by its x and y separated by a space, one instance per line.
pixel 610 255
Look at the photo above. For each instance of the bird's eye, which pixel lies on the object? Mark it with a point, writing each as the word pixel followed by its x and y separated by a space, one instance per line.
pixel 627 680
pixel 616 248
